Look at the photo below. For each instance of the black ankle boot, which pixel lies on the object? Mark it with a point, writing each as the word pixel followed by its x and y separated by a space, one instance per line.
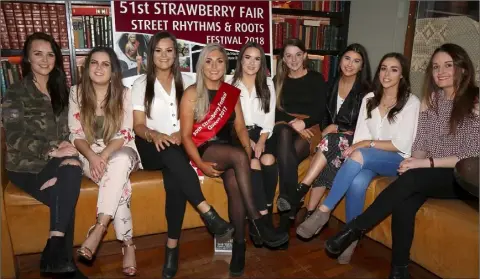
pixel 301 191
pixel 269 236
pixel 216 224
pixel 338 243
pixel 170 266
pixel 237 263
pixel 399 272
pixel 285 222
pixel 255 237
pixel 56 258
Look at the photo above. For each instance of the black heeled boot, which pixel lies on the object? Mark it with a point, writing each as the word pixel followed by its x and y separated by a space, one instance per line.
pixel 336 244
pixel 269 236
pixel 399 272
pixel 216 224
pixel 56 258
pixel 170 266
pixel 299 196
pixel 237 263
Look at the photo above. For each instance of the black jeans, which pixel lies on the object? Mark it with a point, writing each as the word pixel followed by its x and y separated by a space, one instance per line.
pixel 180 180
pixel 61 198
pixel 402 199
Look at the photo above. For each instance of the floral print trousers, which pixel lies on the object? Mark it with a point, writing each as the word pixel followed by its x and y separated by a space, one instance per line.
pixel 115 189
pixel 332 147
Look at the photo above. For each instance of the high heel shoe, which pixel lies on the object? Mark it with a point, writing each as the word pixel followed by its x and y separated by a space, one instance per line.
pixel 170 266
pixel 346 256
pixel 216 224
pixel 338 243
pixel 86 252
pixel 313 224
pixel 237 263
pixel 129 270
pixel 268 236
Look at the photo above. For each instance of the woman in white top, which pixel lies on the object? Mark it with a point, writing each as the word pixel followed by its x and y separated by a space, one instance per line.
pixel 156 96
pixel 258 100
pixel 384 135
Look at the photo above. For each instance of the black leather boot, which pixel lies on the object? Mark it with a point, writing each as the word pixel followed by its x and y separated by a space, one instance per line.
pixel 338 243
pixel 256 239
pixel 270 217
pixel 216 224
pixel 237 263
pixel 299 196
pixel 56 258
pixel 269 236
pixel 170 266
pixel 399 272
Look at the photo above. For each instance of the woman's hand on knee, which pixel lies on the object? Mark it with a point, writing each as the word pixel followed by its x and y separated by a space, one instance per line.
pixel 208 168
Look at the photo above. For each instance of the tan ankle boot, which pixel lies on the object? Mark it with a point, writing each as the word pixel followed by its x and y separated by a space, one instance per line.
pixel 313 224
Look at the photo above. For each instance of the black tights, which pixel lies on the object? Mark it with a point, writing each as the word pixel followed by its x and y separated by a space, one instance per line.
pixel 291 150
pixel 237 182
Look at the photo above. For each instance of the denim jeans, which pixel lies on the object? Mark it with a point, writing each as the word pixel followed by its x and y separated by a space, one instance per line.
pixel 353 178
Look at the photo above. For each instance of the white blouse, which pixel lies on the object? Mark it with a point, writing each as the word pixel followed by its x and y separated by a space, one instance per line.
pixel 163 110
pixel 252 107
pixel 401 132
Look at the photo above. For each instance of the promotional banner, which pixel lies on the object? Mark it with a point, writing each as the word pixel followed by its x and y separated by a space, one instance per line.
pixel 194 23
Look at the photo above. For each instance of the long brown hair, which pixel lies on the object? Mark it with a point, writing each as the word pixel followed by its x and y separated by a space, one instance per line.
pixel 403 92
pixel 151 74
pixel 57 81
pixel 465 89
pixel 87 99
pixel 282 68
pixel 261 86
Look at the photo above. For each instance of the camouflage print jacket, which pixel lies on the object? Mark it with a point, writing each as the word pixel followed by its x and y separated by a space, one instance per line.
pixel 32 129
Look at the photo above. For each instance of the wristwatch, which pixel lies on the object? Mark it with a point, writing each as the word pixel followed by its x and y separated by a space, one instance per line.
pixel 372 143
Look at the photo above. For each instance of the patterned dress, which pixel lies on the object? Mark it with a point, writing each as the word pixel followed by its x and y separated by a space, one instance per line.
pixel 332 147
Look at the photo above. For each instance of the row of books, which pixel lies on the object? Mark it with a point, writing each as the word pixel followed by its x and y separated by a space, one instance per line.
pixel 92 31
pixel 318 5
pixel 313 33
pixel 92 25
pixel 20 19
pixel 11 71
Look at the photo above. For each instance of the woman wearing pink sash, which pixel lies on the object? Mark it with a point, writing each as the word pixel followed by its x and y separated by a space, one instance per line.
pixel 210 112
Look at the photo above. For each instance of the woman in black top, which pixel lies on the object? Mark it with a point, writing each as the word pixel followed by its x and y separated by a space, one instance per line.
pixel 343 104
pixel 301 99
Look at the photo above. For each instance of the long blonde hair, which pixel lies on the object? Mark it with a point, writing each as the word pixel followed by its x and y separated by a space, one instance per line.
pixel 87 99
pixel 203 103
pixel 283 70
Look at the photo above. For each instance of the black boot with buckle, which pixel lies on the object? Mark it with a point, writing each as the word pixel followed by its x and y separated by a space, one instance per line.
pixel 269 236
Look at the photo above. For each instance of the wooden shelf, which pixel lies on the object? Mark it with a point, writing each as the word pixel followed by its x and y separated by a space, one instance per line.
pixel 18 52
pixel 336 17
pixel 314 52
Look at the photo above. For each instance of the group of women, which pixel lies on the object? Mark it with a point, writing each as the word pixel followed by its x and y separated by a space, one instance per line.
pixel 263 132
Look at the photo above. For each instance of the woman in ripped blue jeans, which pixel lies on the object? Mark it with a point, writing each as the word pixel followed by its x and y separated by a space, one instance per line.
pixel 383 138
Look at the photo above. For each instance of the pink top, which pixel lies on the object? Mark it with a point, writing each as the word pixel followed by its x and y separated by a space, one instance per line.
pixel 433 134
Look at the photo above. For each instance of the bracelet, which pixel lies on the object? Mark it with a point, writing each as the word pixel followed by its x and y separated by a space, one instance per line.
pixel 247 146
pixel 432 163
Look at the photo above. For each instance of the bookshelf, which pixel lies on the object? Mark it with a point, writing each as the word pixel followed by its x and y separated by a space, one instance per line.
pixel 322 25
pixel 55 17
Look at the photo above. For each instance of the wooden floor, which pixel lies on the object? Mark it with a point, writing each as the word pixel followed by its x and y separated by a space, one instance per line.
pixel 197 260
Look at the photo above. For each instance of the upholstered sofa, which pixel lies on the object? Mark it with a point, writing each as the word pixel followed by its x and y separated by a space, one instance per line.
pixel 446 238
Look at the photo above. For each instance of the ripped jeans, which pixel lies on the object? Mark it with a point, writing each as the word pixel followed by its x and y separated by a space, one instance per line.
pixel 62 197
